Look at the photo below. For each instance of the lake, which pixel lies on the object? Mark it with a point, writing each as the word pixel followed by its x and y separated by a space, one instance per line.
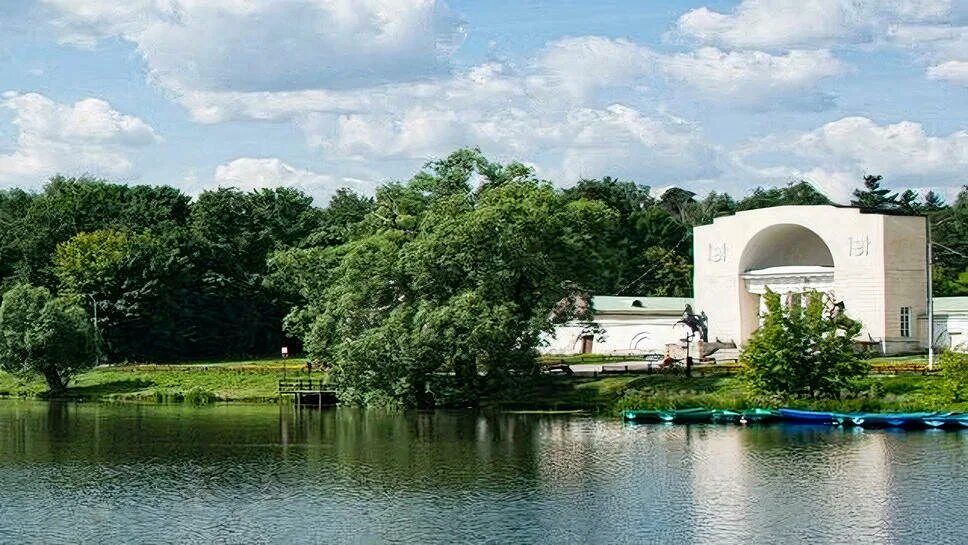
pixel 107 474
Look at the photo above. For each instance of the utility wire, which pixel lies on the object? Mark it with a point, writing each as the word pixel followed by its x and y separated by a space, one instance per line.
pixel 654 267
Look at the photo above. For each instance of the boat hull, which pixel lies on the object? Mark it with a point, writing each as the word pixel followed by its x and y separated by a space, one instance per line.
pixel 812 417
pixel 895 420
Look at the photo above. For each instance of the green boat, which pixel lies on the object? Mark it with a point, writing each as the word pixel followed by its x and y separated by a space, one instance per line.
pixel 642 416
pixel 758 416
pixel 688 416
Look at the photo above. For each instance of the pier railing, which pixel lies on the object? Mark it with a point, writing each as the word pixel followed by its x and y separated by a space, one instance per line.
pixel 292 386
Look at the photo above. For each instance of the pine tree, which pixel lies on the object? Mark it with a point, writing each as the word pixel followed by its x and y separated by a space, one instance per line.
pixel 873 196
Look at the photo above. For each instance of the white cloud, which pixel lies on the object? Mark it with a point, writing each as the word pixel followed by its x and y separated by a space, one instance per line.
pixel 899 149
pixel 751 77
pixel 818 23
pixel 953 71
pixel 838 154
pixel 252 45
pixel 88 136
pixel 580 65
pixel 248 173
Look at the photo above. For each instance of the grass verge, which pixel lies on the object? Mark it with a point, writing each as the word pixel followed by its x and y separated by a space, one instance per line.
pixel 613 394
pixel 197 383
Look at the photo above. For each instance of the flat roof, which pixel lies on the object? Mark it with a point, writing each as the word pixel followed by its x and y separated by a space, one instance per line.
pixel 844 207
pixel 951 305
pixel 639 305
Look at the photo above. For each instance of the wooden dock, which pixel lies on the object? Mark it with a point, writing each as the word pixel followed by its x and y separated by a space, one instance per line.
pixel 309 392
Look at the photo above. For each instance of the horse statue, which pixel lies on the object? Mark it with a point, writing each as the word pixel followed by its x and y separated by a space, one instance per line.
pixel 697 323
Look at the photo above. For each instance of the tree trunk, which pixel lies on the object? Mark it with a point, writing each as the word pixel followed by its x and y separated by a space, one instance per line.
pixel 54 381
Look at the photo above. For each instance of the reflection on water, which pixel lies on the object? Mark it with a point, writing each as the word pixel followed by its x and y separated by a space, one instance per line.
pixel 263 474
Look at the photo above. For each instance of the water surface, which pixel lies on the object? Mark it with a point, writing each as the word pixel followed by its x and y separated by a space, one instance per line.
pixel 252 474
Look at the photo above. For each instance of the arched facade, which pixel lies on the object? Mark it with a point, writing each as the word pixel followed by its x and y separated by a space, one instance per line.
pixel 875 263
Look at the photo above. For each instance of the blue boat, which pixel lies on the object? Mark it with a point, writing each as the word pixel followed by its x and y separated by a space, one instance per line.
pixel 813 417
pixel 947 420
pixel 894 420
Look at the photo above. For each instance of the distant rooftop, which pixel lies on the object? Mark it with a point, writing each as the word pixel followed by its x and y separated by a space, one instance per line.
pixel 951 305
pixel 639 305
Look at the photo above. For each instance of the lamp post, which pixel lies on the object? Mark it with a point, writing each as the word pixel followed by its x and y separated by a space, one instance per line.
pixel 97 335
pixel 929 258
pixel 285 355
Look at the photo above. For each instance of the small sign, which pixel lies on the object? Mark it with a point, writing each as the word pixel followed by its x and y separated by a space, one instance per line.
pixel 285 351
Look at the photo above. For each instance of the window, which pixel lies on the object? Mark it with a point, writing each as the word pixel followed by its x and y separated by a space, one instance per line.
pixel 905 321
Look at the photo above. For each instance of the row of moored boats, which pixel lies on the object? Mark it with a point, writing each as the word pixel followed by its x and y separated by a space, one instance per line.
pixel 764 416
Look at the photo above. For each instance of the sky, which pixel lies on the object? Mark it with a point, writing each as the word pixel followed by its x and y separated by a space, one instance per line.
pixel 707 95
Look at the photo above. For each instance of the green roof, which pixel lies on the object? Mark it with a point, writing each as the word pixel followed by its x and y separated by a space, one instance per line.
pixel 951 305
pixel 639 305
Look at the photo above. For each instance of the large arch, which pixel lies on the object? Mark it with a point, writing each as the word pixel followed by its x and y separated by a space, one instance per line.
pixel 875 264
pixel 784 257
pixel 783 245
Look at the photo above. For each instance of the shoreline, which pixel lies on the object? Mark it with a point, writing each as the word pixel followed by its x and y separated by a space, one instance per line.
pixel 256 381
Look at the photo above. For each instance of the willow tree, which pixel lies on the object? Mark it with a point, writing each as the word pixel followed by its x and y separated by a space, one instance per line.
pixel 447 288
pixel 43 334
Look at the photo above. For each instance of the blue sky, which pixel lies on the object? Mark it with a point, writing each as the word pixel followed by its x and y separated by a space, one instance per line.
pixel 707 95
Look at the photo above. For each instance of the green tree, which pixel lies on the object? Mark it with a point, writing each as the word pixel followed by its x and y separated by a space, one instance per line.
pixel 69 206
pixel 668 275
pixel 954 372
pixel 805 347
pixel 337 220
pixel 43 334
pixel 448 288
pixel 141 288
pixel 949 233
pixel 798 193
pixel 873 196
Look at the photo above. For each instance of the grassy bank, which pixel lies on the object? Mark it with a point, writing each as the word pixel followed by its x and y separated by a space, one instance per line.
pixel 201 382
pixel 257 380
pixel 613 394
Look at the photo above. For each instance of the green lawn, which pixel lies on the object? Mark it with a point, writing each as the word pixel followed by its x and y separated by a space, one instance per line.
pixel 249 380
pixel 256 380
pixel 615 393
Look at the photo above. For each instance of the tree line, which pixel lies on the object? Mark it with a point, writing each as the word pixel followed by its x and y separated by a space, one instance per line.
pixel 455 272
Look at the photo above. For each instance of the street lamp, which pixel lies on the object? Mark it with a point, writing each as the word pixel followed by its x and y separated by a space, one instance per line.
pixel 285 355
pixel 97 335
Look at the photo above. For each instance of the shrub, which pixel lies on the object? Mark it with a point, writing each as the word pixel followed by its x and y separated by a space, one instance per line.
pixel 200 396
pixel 804 348
pixel 954 371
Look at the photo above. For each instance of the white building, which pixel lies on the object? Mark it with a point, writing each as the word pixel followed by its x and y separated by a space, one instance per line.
pixel 950 323
pixel 875 263
pixel 631 325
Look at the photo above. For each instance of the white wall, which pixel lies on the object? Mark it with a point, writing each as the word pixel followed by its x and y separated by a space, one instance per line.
pixel 623 334
pixel 878 265
pixel 951 331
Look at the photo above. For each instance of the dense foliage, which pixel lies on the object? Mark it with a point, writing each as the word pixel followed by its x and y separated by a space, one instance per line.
pixel 447 288
pixel 168 278
pixel 954 371
pixel 391 281
pixel 805 347
pixel 43 334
